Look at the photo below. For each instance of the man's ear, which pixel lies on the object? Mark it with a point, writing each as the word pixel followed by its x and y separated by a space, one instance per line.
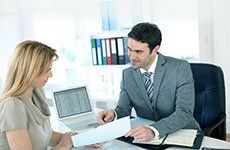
pixel 155 50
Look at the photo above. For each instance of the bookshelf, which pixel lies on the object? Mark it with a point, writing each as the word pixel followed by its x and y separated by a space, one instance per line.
pixel 102 78
pixel 110 48
pixel 109 57
pixel 103 82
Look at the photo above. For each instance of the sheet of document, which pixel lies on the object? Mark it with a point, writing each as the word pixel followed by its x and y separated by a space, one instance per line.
pixel 103 133
pixel 138 120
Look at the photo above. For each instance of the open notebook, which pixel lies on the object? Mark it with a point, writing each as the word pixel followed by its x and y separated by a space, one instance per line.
pixel 183 137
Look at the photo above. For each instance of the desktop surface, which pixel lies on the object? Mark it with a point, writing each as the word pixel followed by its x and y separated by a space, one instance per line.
pixel 117 144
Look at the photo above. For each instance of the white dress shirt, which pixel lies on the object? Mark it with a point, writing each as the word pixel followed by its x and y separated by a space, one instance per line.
pixel 152 69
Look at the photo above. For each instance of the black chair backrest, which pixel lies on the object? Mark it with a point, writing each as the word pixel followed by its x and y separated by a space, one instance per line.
pixel 209 108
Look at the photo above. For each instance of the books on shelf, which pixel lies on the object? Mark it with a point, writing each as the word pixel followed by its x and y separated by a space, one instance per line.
pixel 121 51
pixel 104 53
pixel 94 52
pixel 114 51
pixel 109 50
pixel 99 51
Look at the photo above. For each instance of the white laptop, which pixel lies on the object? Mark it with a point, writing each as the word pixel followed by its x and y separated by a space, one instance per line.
pixel 74 108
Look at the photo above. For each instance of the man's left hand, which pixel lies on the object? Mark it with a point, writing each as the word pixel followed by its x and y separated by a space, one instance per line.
pixel 141 133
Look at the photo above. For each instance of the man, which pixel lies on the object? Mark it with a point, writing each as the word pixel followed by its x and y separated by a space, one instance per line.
pixel 159 88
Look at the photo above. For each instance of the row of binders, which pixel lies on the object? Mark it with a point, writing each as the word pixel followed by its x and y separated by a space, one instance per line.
pixel 109 51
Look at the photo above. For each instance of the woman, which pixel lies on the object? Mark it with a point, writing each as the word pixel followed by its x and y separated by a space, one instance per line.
pixel 24 114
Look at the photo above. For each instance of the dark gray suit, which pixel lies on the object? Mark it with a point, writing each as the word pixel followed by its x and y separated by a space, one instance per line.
pixel 173 98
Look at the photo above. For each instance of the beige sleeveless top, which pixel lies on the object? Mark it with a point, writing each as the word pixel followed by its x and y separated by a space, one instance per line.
pixel 21 113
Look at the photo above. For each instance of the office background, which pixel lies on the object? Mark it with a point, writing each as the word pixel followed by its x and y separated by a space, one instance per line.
pixel 196 30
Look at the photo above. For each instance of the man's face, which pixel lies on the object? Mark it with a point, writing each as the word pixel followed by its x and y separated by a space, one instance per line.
pixel 140 55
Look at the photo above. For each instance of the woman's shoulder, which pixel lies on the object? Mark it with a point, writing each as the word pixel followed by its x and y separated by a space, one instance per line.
pixel 11 103
pixel 13 114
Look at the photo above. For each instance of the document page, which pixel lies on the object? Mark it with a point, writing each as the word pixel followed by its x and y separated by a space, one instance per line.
pixel 103 133
pixel 140 121
pixel 152 142
pixel 183 137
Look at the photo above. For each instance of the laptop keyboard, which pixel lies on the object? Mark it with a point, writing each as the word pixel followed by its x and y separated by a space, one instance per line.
pixel 83 124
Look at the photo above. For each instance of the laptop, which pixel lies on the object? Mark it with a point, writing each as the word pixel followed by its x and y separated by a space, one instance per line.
pixel 74 108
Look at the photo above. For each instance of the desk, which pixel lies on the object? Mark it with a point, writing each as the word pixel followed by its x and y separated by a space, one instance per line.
pixel 209 142
pixel 117 145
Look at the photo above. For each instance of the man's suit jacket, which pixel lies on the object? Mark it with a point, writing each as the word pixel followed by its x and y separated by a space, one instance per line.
pixel 173 99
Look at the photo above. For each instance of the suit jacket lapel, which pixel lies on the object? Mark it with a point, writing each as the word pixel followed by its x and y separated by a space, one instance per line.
pixel 158 76
pixel 141 86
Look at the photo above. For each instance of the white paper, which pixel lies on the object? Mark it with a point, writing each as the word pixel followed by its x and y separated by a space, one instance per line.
pixel 153 142
pixel 103 133
pixel 183 137
pixel 143 121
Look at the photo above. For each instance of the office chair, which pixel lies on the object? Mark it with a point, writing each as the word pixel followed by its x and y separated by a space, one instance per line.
pixel 210 104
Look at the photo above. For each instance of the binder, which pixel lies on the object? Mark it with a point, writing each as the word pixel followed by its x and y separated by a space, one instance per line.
pixel 94 52
pixel 104 52
pixel 145 146
pixel 114 51
pixel 99 51
pixel 121 51
pixel 109 52
pixel 125 40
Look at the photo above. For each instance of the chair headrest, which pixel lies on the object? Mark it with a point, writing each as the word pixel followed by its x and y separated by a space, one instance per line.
pixel 207 76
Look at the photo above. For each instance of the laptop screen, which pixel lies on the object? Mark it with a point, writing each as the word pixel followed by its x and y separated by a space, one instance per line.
pixel 72 102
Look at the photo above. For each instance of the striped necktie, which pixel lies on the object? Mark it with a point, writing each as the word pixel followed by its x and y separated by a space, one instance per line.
pixel 148 84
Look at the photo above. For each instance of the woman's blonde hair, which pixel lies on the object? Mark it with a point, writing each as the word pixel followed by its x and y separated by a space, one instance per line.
pixel 29 60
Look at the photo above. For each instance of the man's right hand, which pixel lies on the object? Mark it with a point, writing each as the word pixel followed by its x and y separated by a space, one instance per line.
pixel 106 116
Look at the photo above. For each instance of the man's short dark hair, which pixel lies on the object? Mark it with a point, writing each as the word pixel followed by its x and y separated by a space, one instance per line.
pixel 146 33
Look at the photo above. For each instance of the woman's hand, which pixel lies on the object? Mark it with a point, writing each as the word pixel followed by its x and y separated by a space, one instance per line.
pixel 97 145
pixel 65 142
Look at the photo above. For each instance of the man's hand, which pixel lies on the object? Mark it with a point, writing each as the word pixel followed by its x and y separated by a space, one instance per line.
pixel 106 116
pixel 141 133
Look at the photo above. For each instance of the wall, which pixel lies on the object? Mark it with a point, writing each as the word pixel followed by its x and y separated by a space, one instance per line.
pixel 19 20
pixel 178 22
pixel 214 33
pixel 10 32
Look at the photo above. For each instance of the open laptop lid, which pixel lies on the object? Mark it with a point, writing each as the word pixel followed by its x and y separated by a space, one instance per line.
pixel 72 102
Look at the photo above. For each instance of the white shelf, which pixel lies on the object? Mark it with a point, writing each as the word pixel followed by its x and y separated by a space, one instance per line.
pixel 103 80
pixel 111 34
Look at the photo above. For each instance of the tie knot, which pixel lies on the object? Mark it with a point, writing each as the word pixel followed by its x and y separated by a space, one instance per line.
pixel 147 74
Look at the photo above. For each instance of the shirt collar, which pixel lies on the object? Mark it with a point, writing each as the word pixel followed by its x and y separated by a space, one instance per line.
pixel 152 67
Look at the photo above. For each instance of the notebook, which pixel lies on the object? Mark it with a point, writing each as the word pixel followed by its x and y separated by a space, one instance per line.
pixel 74 108
pixel 190 138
